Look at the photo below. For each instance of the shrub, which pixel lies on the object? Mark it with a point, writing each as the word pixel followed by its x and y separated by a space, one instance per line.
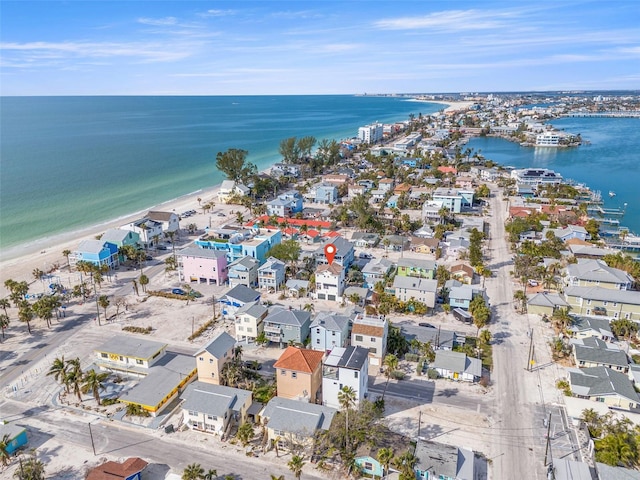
pixel 144 330
pixel 109 401
pixel 484 381
pixel 398 375
pixel 411 357
pixel 432 374
pixel 201 330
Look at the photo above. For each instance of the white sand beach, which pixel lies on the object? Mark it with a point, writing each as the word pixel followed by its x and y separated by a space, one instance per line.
pixel 452 106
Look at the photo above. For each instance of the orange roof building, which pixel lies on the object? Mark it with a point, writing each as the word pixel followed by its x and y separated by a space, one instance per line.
pixel 299 374
pixel 131 468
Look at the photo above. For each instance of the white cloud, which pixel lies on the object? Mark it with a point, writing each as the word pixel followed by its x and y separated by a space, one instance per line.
pixel 158 22
pixel 451 20
pixel 218 13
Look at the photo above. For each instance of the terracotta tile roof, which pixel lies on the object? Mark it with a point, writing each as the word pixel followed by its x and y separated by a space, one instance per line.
pixel 333 268
pixel 370 330
pixel 577 241
pixel 299 360
pixel 115 470
pixel 461 267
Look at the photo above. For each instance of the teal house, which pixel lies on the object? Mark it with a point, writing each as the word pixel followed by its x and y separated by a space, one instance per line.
pixel 17 436
pixel 367 456
pixel 121 238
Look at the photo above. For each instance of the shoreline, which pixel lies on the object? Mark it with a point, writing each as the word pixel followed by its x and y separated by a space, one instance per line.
pixel 452 106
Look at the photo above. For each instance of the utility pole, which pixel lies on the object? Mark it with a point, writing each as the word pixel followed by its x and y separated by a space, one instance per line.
pixel 92 444
pixel 419 422
pixel 531 351
pixel 548 453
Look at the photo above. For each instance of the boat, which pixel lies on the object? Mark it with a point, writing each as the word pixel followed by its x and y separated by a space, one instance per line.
pixel 612 193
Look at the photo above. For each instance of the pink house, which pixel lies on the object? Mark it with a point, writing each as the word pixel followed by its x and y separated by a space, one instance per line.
pixel 202 265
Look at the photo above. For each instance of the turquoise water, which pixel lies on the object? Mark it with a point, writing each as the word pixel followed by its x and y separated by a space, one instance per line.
pixel 610 162
pixel 72 162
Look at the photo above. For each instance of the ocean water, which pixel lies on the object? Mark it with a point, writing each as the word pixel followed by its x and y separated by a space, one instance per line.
pixel 611 162
pixel 72 162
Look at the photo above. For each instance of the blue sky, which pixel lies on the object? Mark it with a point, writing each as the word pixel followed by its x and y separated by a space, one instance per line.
pixel 316 47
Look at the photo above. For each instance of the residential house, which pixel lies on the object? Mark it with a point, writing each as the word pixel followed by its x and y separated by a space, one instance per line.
pixel 462 272
pixel 96 252
pixel 365 240
pixel 150 231
pixel 567 233
pixel 329 330
pixel 377 195
pixel 212 358
pixel 367 184
pixel 324 193
pixel 593 352
pixel 237 297
pixel 453 199
pixel 214 408
pixel 292 423
pixel 244 272
pixel 454 247
pixel 585 327
pixel 395 243
pixel 546 303
pixel 415 267
pixel 438 337
pixel 202 265
pixel 602 384
pixel 375 271
pixel 424 245
pixel 244 243
pixel 285 204
pixel 536 176
pixel 131 469
pixel 285 325
pixel 121 238
pixel 249 321
pixel 354 190
pixel 271 274
pixel 464 182
pixel 444 462
pixel 170 221
pixel 128 354
pixel 386 185
pixel 335 179
pixel 402 188
pixel 460 295
pixel 457 366
pixel 330 282
pixel 419 289
pixel 345 367
pixel 579 250
pixel 592 273
pixel 606 472
pixel 229 188
pixel 367 454
pixel 16 437
pixel 392 202
pixel 299 374
pixel 297 288
pixel 344 256
pixel 285 170
pixel 371 332
pixel 604 301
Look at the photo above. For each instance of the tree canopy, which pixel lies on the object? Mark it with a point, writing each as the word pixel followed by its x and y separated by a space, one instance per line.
pixel 287 251
pixel 234 165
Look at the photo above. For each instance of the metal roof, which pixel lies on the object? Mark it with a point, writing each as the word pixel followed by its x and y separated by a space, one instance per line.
pixel 212 399
pixel 294 416
pixel 131 346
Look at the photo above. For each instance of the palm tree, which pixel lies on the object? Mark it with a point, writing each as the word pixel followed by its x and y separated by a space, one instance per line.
pixel 561 318
pixel 405 464
pixel 144 281
pixel 5 457
pixel 93 382
pixel 521 297
pixel 295 465
pixel 485 337
pixel 385 455
pixel 391 362
pixel 309 307
pixel 66 253
pixel 4 304
pixel 211 474
pixel 346 399
pixel 30 469
pixel 25 313
pixel 193 472
pixel 278 477
pixel 245 433
pixel 103 300
pixel 74 377
pixel 58 370
pixel 616 449
pixel 4 322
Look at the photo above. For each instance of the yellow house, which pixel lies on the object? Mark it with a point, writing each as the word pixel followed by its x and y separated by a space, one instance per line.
pixel 601 384
pixel 211 358
pixel 129 354
pixel 606 302
pixel 299 374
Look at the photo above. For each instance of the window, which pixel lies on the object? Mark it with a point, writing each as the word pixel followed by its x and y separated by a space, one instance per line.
pixel 373 350
pixel 358 338
pixel 368 466
pixel 193 413
pixel 605 303
pixel 373 339
pixel 139 362
pixel 317 341
pixel 104 355
pixel 201 359
pixel 294 375
pixel 355 374
pixel 283 372
pixel 212 417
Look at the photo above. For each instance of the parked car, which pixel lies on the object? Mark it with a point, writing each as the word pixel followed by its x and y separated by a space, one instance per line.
pixel 366 256
pixel 161 247
pixel 599 311
pixel 148 257
pixel 424 324
pixel 178 291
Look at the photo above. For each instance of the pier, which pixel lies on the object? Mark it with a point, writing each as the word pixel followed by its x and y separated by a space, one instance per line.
pixel 611 114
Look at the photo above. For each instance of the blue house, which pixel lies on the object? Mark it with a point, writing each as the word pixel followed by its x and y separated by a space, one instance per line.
pixel 366 455
pixel 237 297
pixel 17 436
pixel 256 247
pixel 97 252
pixel 460 295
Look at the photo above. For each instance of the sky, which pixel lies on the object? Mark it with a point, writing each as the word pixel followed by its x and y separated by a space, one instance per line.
pixel 316 47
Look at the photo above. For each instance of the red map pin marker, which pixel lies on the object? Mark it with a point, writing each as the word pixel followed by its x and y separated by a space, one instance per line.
pixel 330 252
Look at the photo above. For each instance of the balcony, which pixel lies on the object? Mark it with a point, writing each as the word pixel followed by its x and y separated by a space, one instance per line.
pixel 330 373
pixel 272 329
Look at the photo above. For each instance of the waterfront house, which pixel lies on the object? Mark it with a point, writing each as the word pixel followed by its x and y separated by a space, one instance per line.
pixel 591 273
pixel 345 367
pixel 285 204
pixel 299 374
pixel 344 256
pixel 286 325
pixel 585 327
pixel 16 437
pixel 605 302
pixel 150 231
pixel 244 272
pixel 602 384
pixel 214 408
pixel 285 170
pixel 375 271
pixel 371 332
pixel 457 366
pixel 202 265
pixel 419 289
pixel 330 282
pixel 567 233
pixel 372 133
pixel 96 252
pixel 131 469
pixel 445 462
pixel 292 424
pixel 211 358
pixel 581 249
pixel 271 275
pixel 121 238
pixel 170 221
pixel 229 189
pixel 249 321
pixel 237 297
pixel 416 267
pixel 329 330
pixel 453 199
pixel 593 352
pixel 244 244
pixel 536 176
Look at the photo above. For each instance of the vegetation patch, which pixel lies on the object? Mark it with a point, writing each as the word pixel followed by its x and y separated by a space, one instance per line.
pixel 143 330
pixel 202 329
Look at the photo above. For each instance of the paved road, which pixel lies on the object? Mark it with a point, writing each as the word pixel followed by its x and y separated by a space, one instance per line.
pixel 516 452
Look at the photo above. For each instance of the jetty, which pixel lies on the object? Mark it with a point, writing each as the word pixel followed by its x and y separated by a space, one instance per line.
pixel 610 114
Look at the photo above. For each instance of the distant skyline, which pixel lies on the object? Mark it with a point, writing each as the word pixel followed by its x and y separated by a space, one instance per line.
pixel 316 47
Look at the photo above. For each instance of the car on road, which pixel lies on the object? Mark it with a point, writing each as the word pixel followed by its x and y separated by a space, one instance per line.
pixel 221 214
pixel 365 256
pixel 161 247
pixel 178 291
pixel 252 364
pixel 424 324
pixel 148 257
